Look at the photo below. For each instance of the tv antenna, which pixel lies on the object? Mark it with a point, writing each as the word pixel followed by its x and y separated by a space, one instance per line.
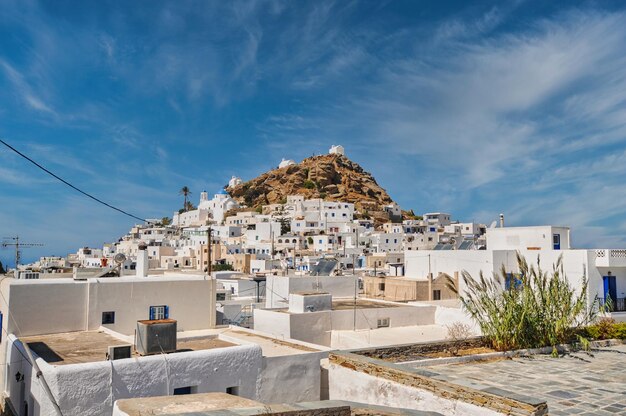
pixel 15 242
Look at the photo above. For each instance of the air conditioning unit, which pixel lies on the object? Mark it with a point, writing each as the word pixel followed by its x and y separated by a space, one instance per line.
pixel 118 352
pixel 155 336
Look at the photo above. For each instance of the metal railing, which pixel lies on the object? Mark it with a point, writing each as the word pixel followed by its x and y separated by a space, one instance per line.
pixel 614 305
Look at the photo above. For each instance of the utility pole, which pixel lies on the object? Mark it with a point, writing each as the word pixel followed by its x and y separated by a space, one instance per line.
pixel 16 243
pixel 209 261
pixel 295 254
pixel 272 248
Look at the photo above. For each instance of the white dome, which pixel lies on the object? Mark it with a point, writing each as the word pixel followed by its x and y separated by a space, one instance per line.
pixel 284 163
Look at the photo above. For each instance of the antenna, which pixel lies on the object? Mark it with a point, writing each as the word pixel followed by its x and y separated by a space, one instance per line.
pixel 15 242
pixel 119 258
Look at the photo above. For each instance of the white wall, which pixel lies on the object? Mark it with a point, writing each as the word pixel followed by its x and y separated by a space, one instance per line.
pixel 364 388
pixel 272 322
pixel 279 287
pixel 64 305
pixel 92 388
pixel 522 238
pixel 291 378
pixel 317 327
pixel 575 262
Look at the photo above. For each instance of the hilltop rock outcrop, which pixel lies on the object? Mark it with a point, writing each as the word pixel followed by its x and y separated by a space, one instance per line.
pixel 332 177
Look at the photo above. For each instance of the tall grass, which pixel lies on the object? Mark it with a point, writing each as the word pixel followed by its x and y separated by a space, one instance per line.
pixel 540 309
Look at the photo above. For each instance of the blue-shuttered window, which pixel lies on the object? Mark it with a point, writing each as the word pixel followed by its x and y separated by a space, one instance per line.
pixel 159 312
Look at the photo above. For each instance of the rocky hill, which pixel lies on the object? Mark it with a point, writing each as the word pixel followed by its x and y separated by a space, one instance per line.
pixel 332 177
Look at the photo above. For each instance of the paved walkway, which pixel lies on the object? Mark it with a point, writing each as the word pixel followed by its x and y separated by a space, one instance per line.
pixel 577 384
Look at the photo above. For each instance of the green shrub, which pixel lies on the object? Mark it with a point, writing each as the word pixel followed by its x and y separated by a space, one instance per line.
pixel 222 267
pixel 537 309
pixel 619 330
pixel 309 184
pixel 605 328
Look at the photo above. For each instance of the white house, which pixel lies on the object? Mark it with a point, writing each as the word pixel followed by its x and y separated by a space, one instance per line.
pixel 605 269
pixel 528 238
pixel 218 206
pixel 337 150
pixel 70 346
pixel 234 181
pixel 316 316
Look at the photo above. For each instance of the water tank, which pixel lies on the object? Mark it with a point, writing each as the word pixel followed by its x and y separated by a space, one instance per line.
pixel 155 336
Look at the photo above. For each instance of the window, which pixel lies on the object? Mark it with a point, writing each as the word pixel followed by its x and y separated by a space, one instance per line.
pixel 159 312
pixel 220 296
pixel 437 294
pixel 381 287
pixel 383 323
pixel 108 318
pixel 184 390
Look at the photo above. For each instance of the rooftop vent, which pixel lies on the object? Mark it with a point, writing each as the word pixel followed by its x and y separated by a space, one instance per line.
pixel 118 352
pixel 156 336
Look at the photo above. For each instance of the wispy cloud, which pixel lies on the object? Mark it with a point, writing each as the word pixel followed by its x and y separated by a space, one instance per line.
pixel 24 90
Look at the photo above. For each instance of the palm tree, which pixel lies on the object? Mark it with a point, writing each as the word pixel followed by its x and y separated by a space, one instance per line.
pixel 185 192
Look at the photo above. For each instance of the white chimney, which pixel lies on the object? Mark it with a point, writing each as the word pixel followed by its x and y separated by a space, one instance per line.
pixel 142 261
pixel 501 220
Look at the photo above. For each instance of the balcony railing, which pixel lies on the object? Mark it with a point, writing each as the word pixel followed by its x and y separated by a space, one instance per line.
pixel 615 305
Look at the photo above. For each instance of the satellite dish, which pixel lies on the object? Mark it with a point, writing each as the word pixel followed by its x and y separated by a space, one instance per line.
pixel 119 258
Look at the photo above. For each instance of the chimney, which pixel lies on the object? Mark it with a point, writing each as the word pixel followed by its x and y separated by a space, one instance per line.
pixel 501 220
pixel 142 261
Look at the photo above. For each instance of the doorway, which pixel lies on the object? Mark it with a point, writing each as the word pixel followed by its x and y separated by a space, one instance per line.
pixel 610 290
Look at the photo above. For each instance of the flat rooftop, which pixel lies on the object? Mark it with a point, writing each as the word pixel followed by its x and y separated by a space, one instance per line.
pixel 222 404
pixel 92 346
pixel 381 337
pixel 272 347
pixel 577 383
pixel 189 403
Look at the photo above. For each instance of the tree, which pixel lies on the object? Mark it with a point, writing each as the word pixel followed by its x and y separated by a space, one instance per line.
pixel 166 221
pixel 529 309
pixel 185 192
pixel 222 267
pixel 2 271
pixel 190 206
pixel 280 214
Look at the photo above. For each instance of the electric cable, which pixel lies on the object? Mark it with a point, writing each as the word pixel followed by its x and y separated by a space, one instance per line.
pixel 69 184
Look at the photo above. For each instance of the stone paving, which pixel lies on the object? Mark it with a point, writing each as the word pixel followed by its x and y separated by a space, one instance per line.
pixel 576 384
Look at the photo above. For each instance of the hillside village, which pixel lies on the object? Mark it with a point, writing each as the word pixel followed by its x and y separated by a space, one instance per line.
pixel 306 288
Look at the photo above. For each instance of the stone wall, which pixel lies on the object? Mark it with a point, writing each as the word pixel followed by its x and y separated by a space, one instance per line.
pixel 419 388
pixel 412 352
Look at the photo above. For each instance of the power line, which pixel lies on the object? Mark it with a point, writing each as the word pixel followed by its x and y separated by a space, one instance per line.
pixel 69 184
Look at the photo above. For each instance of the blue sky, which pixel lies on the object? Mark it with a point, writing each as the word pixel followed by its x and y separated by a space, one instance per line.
pixel 473 108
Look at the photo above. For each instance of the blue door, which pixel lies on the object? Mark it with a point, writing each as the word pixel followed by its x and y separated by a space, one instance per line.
pixel 556 241
pixel 610 289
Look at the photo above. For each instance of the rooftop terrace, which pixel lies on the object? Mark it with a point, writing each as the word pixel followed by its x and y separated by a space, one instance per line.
pixel 92 346
pixel 577 383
